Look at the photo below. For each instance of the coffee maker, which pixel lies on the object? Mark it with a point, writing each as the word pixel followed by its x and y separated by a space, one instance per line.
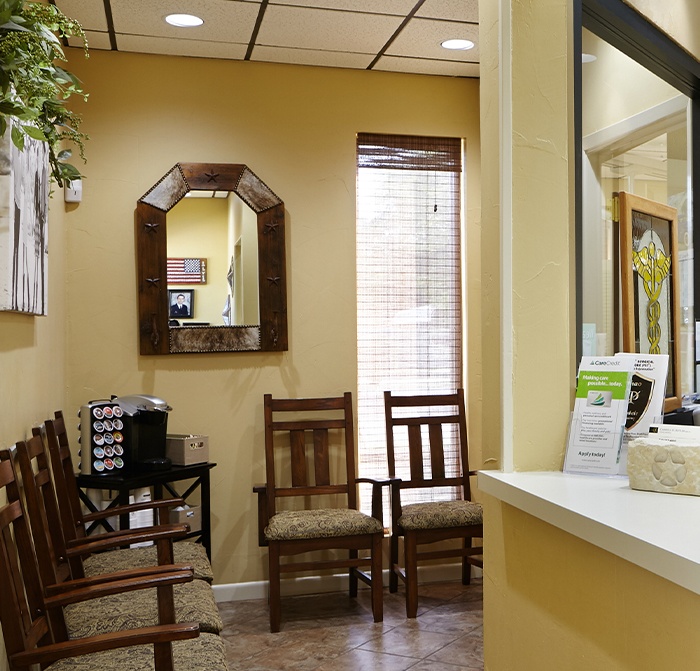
pixel 124 435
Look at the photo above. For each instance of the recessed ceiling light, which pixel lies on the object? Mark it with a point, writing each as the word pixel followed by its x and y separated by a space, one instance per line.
pixel 588 58
pixel 462 45
pixel 183 20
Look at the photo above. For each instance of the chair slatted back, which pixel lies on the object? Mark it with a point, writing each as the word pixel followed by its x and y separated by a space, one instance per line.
pixel 64 477
pixel 435 416
pixel 306 423
pixel 24 625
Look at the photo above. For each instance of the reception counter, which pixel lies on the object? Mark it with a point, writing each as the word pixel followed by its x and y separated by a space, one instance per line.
pixel 659 532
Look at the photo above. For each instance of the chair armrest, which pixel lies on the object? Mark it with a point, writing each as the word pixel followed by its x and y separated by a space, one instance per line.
pixel 127 536
pixel 132 508
pixel 118 587
pixel 377 502
pixel 48 654
pixel 145 572
pixel 98 543
pixel 263 515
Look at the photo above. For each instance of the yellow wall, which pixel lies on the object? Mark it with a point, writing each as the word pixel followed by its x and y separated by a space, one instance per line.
pixel 295 127
pixel 551 601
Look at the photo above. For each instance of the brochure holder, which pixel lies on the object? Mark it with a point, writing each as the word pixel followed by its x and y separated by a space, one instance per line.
pixel 604 451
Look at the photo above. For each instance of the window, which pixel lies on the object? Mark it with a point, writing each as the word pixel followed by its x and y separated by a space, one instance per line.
pixel 409 316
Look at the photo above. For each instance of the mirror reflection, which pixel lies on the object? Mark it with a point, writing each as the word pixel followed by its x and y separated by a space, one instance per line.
pixel 215 271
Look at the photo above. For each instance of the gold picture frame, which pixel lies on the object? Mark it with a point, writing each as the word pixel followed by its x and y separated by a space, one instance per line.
pixel 650 284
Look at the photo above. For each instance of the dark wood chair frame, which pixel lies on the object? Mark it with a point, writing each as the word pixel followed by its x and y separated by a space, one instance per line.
pixel 55 560
pixel 27 630
pixel 418 454
pixel 304 486
pixel 73 522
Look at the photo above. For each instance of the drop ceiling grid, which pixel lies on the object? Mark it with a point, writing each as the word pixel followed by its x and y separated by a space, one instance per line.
pixel 331 33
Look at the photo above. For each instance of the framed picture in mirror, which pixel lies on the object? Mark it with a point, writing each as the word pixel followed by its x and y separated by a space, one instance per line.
pixel 181 302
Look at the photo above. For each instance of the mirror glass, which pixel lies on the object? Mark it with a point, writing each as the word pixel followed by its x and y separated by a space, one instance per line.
pixel 225 286
pixel 210 248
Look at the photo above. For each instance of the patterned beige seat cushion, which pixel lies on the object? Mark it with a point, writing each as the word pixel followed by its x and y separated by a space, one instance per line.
pixel 205 653
pixel 440 515
pixel 323 523
pixel 194 602
pixel 185 552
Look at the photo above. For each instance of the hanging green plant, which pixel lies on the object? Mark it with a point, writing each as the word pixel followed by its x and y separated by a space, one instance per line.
pixel 33 88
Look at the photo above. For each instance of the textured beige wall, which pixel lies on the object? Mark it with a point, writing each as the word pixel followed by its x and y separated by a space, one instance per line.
pixel 295 127
pixel 680 19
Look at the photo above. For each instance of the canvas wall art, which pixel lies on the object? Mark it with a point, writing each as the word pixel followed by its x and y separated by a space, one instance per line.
pixel 24 205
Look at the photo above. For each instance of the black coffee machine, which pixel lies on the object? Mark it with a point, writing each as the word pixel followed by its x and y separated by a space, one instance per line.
pixel 124 435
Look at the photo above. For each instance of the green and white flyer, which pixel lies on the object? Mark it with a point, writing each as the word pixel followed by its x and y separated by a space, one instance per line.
pixel 599 416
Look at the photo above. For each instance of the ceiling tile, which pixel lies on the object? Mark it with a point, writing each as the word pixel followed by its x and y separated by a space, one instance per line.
pixel 396 7
pixel 173 47
pixel 453 10
pixel 427 67
pixel 95 40
pixel 335 59
pixel 324 29
pixel 90 15
pixel 421 38
pixel 224 21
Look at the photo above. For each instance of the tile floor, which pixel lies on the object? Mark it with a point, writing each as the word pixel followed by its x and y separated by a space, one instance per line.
pixel 331 632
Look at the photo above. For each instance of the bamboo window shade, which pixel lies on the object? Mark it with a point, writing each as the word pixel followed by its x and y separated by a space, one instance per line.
pixel 409 297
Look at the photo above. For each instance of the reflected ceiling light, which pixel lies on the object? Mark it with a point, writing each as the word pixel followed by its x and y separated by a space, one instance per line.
pixel 184 20
pixel 462 45
pixel 588 58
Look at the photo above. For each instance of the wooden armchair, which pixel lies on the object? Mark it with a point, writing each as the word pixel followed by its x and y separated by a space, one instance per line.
pixel 28 636
pixel 325 471
pixel 74 522
pixel 418 466
pixel 193 602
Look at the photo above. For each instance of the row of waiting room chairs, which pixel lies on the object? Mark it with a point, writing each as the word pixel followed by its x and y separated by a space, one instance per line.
pixel 305 438
pixel 57 565
pixel 67 605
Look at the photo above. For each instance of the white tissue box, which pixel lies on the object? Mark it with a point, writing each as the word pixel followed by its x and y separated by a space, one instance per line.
pixel 184 450
pixel 657 466
pixel 187 515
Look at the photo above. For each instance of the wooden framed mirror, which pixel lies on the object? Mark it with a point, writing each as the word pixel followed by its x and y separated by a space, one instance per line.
pixel 156 336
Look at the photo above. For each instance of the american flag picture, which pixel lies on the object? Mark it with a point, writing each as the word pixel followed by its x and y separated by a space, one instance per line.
pixel 187 271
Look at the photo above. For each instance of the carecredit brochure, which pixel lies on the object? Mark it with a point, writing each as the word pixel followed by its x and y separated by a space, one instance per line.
pixel 599 416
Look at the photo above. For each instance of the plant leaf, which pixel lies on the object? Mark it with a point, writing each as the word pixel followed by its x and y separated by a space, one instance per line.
pixel 17 138
pixel 35 133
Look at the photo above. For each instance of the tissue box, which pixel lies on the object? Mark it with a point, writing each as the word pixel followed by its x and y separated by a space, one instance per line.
pixel 671 468
pixel 187 515
pixel 184 450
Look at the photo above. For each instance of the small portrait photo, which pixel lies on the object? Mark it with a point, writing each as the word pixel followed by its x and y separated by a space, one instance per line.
pixel 181 303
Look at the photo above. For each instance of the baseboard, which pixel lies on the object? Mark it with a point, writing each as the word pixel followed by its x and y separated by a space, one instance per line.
pixel 244 591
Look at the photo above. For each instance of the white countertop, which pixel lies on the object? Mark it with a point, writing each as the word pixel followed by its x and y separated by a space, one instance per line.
pixel 659 532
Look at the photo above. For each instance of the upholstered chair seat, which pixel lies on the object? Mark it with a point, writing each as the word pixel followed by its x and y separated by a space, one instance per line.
pixel 440 515
pixel 194 602
pixel 204 653
pixel 322 523
pixel 185 552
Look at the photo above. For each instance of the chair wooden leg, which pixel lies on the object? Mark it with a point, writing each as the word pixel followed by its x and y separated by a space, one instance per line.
pixel 275 596
pixel 466 566
pixel 411 567
pixel 353 576
pixel 377 579
pixel 393 563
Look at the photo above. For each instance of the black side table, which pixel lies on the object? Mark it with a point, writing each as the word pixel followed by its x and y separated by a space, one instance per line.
pixel 158 481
